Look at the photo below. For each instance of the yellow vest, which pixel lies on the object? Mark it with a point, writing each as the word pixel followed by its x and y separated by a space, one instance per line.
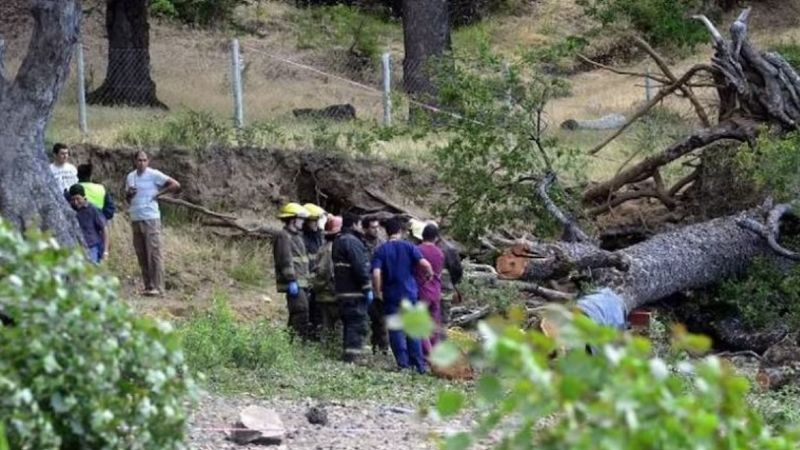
pixel 95 194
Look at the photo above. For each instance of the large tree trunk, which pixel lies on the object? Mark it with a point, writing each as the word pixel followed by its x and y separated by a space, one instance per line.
pixel 128 81
pixel 28 194
pixel 426 37
pixel 691 257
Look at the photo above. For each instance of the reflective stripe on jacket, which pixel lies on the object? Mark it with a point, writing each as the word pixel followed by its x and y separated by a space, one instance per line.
pixel 291 260
pixel 350 265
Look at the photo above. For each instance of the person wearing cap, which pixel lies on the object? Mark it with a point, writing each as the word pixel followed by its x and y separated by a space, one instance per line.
pixel 291 267
pixel 91 221
pixel 312 237
pixel 393 269
pixel 353 287
pixel 323 281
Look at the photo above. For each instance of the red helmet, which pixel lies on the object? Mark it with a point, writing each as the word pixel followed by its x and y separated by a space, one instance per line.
pixel 333 225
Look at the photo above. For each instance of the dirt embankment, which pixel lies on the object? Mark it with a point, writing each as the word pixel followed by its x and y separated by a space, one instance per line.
pixel 251 181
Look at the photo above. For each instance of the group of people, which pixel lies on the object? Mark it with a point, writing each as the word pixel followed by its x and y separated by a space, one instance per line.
pixel 338 269
pixel 95 208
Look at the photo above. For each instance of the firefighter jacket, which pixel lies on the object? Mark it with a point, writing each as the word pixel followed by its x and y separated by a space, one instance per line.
pixel 350 265
pixel 291 260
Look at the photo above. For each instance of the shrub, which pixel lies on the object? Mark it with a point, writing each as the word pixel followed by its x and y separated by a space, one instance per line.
pixel 790 51
pixel 619 397
pixel 662 22
pixel 774 164
pixel 764 297
pixel 196 12
pixel 77 368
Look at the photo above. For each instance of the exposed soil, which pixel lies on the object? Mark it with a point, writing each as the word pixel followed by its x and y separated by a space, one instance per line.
pixel 260 180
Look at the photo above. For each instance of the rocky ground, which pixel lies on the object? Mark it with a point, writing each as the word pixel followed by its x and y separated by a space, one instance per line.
pixel 351 425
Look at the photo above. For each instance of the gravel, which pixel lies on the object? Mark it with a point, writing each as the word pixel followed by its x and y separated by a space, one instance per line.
pixel 351 425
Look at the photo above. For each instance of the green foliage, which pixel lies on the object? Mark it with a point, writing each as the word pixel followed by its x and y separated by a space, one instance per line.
pixel 762 298
pixel 190 129
pixel 774 164
pixel 260 358
pixel 558 57
pixel 77 368
pixel 780 408
pixel 196 12
pixel 619 398
pixel 790 51
pixel 343 27
pixel 661 22
pixel 498 147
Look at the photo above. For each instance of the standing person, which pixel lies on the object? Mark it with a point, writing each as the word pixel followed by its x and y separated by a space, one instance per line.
pixel 96 193
pixel 430 289
pixel 65 173
pixel 92 223
pixel 379 338
pixel 312 237
pixel 353 287
pixel 323 281
pixel 451 277
pixel 393 277
pixel 143 188
pixel 97 196
pixel 291 267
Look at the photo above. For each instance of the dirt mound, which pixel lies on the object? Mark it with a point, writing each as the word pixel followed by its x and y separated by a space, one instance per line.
pixel 252 180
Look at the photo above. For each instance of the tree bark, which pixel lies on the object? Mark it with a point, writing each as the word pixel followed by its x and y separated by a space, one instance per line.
pixel 426 37
pixel 691 257
pixel 128 81
pixel 29 197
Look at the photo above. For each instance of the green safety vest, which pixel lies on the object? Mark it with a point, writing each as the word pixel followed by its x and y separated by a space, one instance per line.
pixel 95 194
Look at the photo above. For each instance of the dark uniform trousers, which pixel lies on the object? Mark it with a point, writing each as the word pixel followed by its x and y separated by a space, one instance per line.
pixel 298 314
pixel 354 321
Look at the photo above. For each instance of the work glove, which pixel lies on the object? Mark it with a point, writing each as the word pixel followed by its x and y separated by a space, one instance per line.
pixel 294 289
pixel 369 296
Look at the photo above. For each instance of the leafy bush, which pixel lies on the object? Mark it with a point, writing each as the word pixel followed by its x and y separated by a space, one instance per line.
pixel 662 22
pixel 558 57
pixel 77 368
pixel 196 12
pixel 620 397
pixel 762 298
pixel 498 147
pixel 774 164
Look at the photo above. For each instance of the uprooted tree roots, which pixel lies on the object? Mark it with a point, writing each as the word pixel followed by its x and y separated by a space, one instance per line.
pixel 755 89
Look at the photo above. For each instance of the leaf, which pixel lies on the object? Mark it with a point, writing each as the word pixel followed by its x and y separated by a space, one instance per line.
pixel 416 320
pixel 3 440
pixel 459 441
pixel 490 389
pixel 449 403
pixel 445 354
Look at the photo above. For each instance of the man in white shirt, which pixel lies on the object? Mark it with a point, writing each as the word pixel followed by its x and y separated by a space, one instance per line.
pixel 143 187
pixel 65 173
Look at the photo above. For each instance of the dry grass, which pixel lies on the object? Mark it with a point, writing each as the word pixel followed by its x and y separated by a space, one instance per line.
pixel 197 265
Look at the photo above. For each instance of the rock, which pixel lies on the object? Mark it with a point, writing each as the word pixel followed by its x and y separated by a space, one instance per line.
pixel 343 112
pixel 317 415
pixel 608 122
pixel 258 425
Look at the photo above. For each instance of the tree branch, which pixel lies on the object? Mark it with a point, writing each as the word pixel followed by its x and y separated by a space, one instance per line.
pixel 599 65
pixel 660 96
pixel 572 231
pixel 771 229
pixel 686 90
pixel 46 65
pixel 740 130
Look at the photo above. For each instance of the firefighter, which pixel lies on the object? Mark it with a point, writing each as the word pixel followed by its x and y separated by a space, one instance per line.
pixel 291 267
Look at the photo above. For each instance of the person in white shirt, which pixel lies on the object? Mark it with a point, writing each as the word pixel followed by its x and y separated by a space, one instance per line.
pixel 143 187
pixel 65 173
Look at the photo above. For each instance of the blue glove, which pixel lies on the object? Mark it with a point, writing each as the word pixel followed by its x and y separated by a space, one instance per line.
pixel 369 296
pixel 294 289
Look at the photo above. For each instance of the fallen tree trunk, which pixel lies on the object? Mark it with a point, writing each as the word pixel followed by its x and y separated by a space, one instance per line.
pixel 692 257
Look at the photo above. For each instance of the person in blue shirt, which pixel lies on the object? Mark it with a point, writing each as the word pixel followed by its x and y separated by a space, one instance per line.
pixel 393 267
pixel 92 223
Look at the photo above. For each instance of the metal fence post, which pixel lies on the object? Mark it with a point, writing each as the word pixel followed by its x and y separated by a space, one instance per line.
pixel 386 63
pixel 236 78
pixel 81 91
